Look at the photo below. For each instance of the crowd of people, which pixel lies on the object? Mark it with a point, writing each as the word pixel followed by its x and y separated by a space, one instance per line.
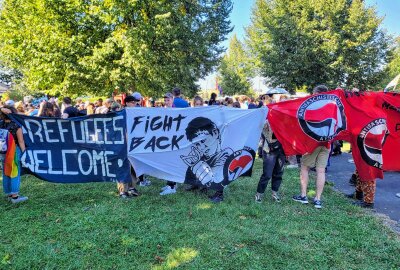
pixel 270 149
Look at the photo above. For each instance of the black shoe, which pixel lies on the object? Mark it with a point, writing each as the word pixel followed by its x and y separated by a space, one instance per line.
pixel 133 192
pixel 352 180
pixel 192 188
pixel 358 195
pixel 217 198
pixel 364 204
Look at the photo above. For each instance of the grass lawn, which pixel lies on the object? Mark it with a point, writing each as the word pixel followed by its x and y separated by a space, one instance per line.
pixel 87 226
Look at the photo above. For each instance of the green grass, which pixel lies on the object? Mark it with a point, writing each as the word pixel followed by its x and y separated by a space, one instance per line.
pixel 87 227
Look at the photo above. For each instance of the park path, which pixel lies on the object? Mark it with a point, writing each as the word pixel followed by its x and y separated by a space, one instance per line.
pixel 386 202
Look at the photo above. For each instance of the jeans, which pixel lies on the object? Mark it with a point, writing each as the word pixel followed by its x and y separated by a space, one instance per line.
pixel 11 185
pixel 273 165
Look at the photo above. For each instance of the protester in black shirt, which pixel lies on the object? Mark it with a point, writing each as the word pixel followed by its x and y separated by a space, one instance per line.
pixel 69 110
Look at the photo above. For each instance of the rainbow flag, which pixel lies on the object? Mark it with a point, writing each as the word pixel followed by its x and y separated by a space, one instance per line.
pixel 11 162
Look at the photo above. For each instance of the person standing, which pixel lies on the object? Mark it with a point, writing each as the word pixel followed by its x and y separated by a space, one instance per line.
pixel 273 165
pixel 11 164
pixel 69 110
pixel 135 100
pixel 318 159
pixel 170 188
pixel 179 102
pixel 128 189
pixel 364 193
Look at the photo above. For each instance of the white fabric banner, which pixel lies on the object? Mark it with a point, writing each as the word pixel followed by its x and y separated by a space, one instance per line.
pixel 210 145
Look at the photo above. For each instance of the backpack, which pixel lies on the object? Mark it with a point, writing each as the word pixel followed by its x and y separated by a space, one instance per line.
pixel 3 140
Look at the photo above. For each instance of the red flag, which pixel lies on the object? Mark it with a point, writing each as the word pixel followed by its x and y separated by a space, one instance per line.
pixel 368 130
pixel 390 103
pixel 303 124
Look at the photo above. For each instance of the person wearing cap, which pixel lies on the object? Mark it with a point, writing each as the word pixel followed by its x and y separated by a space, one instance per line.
pixel 106 108
pixel 179 102
pixel 169 100
pixel 170 188
pixel 135 100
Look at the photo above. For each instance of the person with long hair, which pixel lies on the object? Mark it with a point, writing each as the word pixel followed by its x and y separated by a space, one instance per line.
pixel 11 163
pixel 46 109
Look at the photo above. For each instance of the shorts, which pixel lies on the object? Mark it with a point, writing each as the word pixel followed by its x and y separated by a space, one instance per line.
pixel 318 158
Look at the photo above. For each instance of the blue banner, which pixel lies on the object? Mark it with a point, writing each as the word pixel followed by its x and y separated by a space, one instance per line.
pixel 76 150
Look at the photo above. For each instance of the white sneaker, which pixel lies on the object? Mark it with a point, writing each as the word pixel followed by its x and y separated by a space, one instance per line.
pixel 19 199
pixel 168 190
pixel 291 166
pixel 398 195
pixel 164 188
pixel 145 183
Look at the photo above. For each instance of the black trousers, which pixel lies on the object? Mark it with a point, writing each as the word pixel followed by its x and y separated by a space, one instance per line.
pixel 273 165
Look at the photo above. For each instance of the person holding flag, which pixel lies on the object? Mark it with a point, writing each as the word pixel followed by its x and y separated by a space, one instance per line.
pixel 15 147
pixel 318 159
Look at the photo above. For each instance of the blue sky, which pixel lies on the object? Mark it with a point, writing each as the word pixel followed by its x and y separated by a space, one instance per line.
pixel 240 18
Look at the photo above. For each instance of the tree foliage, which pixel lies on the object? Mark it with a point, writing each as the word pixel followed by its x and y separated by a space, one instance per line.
pixel 393 68
pixel 234 70
pixel 96 46
pixel 306 42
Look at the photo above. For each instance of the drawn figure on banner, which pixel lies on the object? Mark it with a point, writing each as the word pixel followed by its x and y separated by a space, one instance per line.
pixel 207 162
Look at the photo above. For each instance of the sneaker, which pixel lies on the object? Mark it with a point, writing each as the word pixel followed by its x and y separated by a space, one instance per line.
pixel 258 197
pixel 317 204
pixel 125 195
pixel 217 198
pixel 276 197
pixel 398 195
pixel 164 188
pixel 133 192
pixel 18 199
pixel 145 183
pixel 168 190
pixel 301 199
pixel 292 166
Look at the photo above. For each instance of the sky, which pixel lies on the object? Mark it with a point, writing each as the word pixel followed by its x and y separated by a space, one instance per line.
pixel 241 13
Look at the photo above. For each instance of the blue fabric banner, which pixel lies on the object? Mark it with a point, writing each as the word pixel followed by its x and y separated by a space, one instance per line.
pixel 76 150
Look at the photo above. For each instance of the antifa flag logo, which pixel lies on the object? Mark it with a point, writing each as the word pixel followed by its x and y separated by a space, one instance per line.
pixel 240 164
pixel 370 141
pixel 322 117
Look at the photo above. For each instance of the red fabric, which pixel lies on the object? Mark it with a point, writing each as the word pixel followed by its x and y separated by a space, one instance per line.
pixel 366 133
pixel 303 124
pixel 390 103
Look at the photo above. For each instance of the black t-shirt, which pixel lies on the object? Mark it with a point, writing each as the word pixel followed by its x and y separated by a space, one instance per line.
pixel 71 111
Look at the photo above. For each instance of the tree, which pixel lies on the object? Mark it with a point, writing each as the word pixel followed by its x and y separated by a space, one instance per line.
pixel 306 42
pixel 234 71
pixel 393 68
pixel 96 46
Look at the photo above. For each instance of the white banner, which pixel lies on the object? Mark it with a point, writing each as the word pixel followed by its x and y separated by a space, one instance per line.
pixel 210 145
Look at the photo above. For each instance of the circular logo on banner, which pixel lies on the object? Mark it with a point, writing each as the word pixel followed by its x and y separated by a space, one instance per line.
pixel 371 140
pixel 322 117
pixel 239 163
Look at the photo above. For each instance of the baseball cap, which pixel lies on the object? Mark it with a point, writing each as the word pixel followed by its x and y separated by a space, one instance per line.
pixel 9 103
pixel 137 96
pixel 168 95
pixel 129 99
